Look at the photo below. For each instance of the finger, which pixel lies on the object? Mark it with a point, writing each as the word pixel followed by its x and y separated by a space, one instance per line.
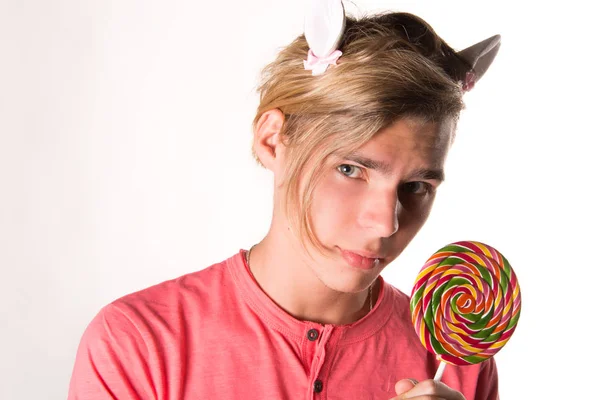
pixel 432 389
pixel 404 385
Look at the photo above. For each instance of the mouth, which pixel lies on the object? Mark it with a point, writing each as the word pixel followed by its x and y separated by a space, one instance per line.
pixel 360 259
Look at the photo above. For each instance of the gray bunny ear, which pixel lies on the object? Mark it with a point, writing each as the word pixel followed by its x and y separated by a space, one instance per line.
pixel 480 56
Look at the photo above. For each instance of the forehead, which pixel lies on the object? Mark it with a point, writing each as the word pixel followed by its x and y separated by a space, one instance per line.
pixel 412 139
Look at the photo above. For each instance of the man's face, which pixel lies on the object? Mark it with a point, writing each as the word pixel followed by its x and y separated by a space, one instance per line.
pixel 371 204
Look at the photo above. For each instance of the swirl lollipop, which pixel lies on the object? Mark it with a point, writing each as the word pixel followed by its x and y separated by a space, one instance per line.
pixel 465 303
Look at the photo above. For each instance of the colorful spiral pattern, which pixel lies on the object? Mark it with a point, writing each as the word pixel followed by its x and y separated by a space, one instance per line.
pixel 465 303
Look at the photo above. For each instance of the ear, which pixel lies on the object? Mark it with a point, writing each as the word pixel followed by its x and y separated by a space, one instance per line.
pixel 267 144
pixel 480 56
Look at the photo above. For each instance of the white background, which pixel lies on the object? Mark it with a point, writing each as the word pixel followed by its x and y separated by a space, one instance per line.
pixel 125 161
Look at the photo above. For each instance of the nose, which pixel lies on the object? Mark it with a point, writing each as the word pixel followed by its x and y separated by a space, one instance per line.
pixel 380 215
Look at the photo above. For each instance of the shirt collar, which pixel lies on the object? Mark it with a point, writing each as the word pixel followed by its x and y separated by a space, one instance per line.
pixel 278 319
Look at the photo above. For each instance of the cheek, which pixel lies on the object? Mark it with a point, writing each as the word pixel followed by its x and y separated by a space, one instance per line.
pixel 412 219
pixel 410 223
pixel 332 207
pixel 417 211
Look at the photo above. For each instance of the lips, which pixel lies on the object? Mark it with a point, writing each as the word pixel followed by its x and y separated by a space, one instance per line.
pixel 360 259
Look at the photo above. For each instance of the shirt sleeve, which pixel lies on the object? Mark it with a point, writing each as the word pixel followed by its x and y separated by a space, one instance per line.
pixel 111 361
pixel 487 383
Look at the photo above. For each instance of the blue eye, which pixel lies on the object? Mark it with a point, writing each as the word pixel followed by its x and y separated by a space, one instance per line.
pixel 416 188
pixel 349 170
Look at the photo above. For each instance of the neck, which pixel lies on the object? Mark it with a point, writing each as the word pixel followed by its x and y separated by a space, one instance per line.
pixel 283 272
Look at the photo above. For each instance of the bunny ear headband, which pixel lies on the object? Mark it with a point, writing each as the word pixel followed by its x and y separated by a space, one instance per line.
pixel 324 25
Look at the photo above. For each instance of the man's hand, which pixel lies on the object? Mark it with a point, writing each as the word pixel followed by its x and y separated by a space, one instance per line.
pixel 426 390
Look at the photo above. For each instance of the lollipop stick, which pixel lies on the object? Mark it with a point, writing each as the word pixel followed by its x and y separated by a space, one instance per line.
pixel 440 371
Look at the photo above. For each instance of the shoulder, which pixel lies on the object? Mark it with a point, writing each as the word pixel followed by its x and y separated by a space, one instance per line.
pixel 401 320
pixel 165 305
pixel 122 350
pixel 400 300
pixel 183 296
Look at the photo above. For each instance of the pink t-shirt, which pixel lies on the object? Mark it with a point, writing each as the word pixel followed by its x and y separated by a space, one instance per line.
pixel 214 334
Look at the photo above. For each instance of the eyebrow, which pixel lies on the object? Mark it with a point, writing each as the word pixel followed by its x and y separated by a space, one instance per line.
pixel 379 166
pixel 386 169
pixel 429 174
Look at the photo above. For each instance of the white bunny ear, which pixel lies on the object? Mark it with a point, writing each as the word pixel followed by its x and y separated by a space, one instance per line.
pixel 324 24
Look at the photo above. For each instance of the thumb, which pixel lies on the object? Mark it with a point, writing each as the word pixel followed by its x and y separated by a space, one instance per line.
pixel 404 385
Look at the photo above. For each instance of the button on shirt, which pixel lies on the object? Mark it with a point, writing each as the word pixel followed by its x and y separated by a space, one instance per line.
pixel 318 386
pixel 313 335
pixel 214 334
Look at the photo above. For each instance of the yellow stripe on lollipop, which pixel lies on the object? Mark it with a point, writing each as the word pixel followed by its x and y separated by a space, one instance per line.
pixel 484 249
pixel 456 329
pixel 498 344
pixel 464 344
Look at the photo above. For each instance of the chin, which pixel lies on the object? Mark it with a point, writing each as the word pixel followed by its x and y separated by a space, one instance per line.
pixel 341 277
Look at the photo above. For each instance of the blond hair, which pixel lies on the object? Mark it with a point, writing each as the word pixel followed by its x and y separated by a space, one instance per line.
pixel 393 66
